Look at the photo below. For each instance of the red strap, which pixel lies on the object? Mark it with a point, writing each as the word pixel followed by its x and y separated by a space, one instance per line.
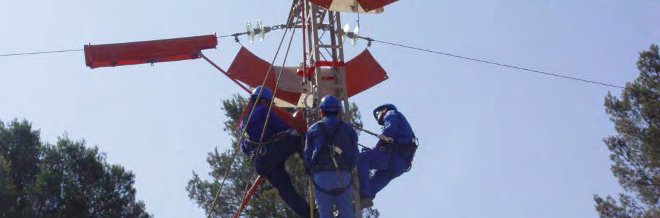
pixel 329 64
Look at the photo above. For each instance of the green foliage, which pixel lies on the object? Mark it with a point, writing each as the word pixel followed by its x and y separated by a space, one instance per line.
pixel 266 201
pixel 8 194
pixel 62 180
pixel 636 147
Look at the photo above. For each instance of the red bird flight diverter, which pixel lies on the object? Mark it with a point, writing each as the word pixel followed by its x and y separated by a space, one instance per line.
pixel 177 49
pixel 362 73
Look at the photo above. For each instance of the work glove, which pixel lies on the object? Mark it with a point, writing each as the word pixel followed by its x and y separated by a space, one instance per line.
pixel 385 138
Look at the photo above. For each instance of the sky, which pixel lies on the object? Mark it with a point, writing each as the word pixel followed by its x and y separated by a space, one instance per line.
pixel 495 142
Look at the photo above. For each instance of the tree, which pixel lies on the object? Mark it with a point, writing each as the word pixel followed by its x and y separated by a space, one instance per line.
pixel 266 201
pixel 66 179
pixel 635 150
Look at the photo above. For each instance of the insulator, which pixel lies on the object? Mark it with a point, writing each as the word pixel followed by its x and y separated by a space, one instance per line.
pixel 356 34
pixel 346 28
pixel 262 30
pixel 250 31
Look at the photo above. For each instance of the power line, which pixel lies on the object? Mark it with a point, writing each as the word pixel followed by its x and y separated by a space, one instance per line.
pixel 39 52
pixel 392 44
pixel 76 50
pixel 235 35
pixel 493 63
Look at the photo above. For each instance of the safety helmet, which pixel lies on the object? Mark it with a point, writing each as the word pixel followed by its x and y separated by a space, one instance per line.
pixel 379 113
pixel 330 103
pixel 265 93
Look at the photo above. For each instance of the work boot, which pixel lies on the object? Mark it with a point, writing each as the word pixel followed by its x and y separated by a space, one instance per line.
pixel 366 202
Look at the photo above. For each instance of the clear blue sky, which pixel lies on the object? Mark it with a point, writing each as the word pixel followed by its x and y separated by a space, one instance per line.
pixel 496 142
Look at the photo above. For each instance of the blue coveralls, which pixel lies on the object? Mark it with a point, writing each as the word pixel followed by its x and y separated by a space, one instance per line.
pixel 270 161
pixel 390 160
pixel 332 184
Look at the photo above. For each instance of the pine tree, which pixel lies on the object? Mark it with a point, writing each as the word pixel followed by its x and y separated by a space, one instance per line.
pixel 636 147
pixel 67 179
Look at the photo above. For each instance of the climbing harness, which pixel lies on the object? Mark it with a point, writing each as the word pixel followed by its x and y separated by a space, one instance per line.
pixel 262 147
pixel 329 150
pixel 334 191
pixel 332 151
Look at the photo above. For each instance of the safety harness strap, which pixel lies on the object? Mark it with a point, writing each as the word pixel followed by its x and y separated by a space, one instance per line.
pixel 328 148
pixel 330 137
pixel 334 191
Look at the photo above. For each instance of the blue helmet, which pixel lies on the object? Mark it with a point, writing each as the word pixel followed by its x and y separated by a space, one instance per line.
pixel 330 103
pixel 377 112
pixel 262 92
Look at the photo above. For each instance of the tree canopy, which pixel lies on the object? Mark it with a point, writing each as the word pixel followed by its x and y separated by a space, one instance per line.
pixel 635 150
pixel 65 179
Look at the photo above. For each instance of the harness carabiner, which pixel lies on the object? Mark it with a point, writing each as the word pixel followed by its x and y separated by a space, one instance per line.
pixel 262 151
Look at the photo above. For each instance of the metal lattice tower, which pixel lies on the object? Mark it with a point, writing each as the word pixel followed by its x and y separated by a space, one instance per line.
pixel 324 44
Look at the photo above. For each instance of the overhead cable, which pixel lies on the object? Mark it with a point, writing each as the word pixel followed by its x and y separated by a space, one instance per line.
pixel 370 40
pixel 39 52
pixel 493 63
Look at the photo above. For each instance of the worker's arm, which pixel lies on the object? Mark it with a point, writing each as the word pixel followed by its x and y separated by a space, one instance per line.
pixel 243 142
pixel 391 124
pixel 276 124
pixel 309 148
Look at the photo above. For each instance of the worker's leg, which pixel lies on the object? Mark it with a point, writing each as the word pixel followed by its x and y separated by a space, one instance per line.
pixel 326 181
pixel 373 159
pixel 291 144
pixel 324 203
pixel 279 178
pixel 398 166
pixel 276 154
pixel 344 203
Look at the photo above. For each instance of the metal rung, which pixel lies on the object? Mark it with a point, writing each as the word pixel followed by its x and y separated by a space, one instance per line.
pixel 334 86
pixel 328 46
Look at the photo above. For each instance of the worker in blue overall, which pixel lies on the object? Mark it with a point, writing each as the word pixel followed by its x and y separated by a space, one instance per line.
pixel 392 155
pixel 330 154
pixel 270 149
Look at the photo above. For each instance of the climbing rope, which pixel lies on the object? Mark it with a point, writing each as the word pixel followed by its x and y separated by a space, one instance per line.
pixel 260 148
pixel 310 180
pixel 231 163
